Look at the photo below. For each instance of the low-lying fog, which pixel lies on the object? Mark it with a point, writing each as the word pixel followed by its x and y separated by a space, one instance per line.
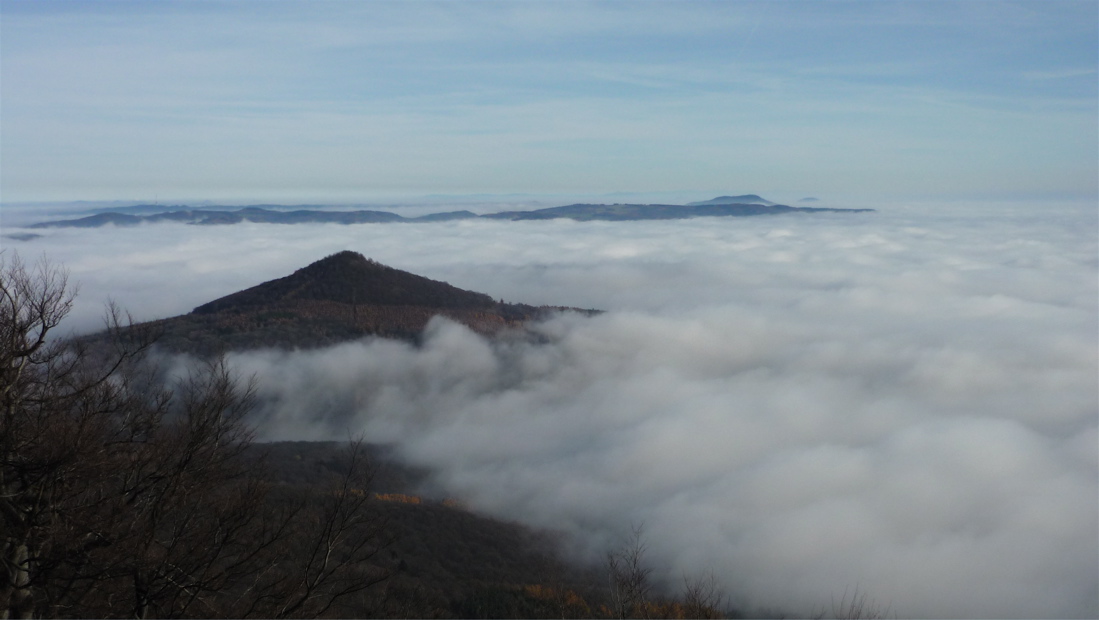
pixel 903 402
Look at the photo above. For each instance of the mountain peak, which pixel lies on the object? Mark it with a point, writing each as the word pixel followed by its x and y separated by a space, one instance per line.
pixel 351 278
pixel 345 259
pixel 345 255
pixel 341 297
pixel 728 200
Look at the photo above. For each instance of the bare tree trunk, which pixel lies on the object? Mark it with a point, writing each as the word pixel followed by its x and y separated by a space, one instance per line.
pixel 15 596
pixel 630 586
pixel 120 496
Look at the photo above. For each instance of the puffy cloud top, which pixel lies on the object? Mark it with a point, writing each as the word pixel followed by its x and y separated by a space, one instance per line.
pixel 905 402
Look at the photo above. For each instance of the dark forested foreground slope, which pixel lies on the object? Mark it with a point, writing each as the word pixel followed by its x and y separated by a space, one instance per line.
pixel 442 560
pixel 341 297
pixel 722 206
pixel 123 494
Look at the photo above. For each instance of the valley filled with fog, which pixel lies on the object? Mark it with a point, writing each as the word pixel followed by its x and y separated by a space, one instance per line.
pixel 903 402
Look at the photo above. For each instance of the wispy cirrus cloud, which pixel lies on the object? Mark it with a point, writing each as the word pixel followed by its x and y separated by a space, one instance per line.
pixel 1060 74
pixel 105 101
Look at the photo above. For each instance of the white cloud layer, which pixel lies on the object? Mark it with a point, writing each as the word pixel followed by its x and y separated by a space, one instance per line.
pixel 905 402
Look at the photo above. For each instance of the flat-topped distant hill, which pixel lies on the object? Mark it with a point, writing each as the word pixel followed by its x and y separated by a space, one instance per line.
pixel 731 200
pixel 626 213
pixel 340 297
pixel 722 206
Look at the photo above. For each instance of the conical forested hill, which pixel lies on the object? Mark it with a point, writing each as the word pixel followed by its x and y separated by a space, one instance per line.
pixel 351 278
pixel 342 297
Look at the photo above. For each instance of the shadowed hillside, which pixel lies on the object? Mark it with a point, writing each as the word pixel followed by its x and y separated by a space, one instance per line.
pixel 350 278
pixel 342 297
pixel 443 560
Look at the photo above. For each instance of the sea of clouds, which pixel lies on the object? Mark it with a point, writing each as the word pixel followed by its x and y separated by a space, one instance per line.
pixel 904 402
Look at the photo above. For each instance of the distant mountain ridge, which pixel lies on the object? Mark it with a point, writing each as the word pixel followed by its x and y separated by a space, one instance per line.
pixel 729 200
pixel 722 206
pixel 341 297
pixel 627 213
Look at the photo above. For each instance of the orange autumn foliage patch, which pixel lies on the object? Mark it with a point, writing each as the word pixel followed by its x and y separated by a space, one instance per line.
pixel 398 497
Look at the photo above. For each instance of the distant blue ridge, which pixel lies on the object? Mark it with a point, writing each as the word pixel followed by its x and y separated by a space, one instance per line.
pixel 722 206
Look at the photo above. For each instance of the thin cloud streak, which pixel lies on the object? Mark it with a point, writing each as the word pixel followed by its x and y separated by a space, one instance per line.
pixel 216 100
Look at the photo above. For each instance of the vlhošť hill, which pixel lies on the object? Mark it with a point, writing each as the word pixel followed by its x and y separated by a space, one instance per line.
pixel 342 297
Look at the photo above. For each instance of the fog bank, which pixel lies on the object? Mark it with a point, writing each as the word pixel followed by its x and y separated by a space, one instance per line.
pixel 903 401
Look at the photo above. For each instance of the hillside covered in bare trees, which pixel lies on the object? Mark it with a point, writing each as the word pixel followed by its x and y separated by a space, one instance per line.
pixel 127 494
pixel 340 297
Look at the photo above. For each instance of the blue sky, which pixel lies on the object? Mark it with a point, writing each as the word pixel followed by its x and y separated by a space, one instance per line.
pixel 356 101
